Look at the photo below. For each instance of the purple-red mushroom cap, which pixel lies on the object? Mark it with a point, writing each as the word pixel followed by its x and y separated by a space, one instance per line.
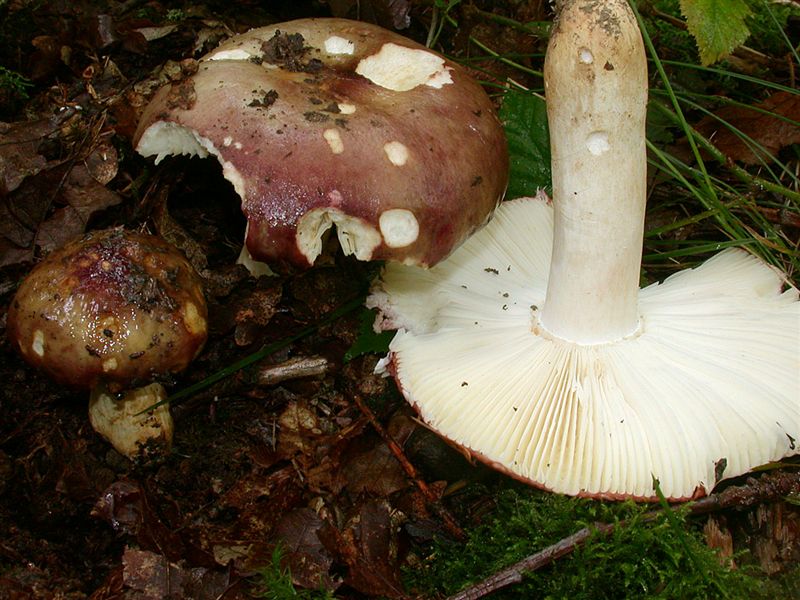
pixel 323 122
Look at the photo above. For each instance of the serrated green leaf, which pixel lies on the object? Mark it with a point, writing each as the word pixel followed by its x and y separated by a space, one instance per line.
pixel 718 26
pixel 524 116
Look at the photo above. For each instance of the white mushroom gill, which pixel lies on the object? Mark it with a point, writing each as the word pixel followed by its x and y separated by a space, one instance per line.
pixel 165 138
pixel 532 345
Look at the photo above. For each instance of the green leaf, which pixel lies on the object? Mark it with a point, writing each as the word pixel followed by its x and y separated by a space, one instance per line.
pixel 717 26
pixel 524 116
pixel 368 341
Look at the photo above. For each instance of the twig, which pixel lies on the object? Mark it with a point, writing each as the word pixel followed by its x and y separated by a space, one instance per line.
pixel 770 487
pixel 515 572
pixel 433 500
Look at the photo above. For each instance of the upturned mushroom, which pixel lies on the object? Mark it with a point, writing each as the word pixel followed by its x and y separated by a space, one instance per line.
pixel 533 346
pixel 116 312
pixel 323 122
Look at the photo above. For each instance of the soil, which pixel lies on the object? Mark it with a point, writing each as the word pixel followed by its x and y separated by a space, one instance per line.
pixel 303 450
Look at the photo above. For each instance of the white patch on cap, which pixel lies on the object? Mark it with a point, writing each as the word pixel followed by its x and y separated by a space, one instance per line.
pixel 597 143
pixel 339 45
pixel 585 56
pixel 356 236
pixel 38 343
pixel 334 139
pixel 396 152
pixel 346 109
pixel 110 364
pixel 399 227
pixel 192 319
pixel 227 141
pixel 400 68
pixel 237 54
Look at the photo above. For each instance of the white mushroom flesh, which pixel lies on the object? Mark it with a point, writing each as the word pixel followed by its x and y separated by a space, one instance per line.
pixel 400 69
pixel 339 45
pixel 396 152
pixel 399 227
pixel 119 421
pixel 356 236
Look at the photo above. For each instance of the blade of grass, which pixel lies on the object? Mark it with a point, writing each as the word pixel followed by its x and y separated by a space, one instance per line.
pixel 786 39
pixel 709 197
pixel 501 58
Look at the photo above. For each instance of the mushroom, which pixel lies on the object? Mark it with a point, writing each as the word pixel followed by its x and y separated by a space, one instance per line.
pixel 113 311
pixel 322 122
pixel 533 346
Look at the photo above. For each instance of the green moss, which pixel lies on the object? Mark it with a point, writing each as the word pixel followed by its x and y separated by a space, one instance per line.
pixel 767 24
pixel 648 556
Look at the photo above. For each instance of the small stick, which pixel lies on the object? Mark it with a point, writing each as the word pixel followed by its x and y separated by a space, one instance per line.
pixel 768 488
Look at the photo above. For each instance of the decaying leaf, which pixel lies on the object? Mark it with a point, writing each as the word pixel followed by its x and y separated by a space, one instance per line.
pixel 308 560
pixel 373 469
pixel 386 13
pixel 765 128
pixel 368 546
pixel 151 576
pixel 19 152
pixel 126 507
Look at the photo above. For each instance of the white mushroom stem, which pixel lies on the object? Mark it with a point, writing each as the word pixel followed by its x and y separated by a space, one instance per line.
pixel 121 419
pixel 596 87
pixel 573 380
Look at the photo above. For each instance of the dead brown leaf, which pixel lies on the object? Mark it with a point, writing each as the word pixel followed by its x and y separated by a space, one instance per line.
pixel 19 152
pixel 150 576
pixel 387 13
pixel 368 546
pixel 373 469
pixel 127 508
pixel 308 560
pixel 771 125
pixel 50 210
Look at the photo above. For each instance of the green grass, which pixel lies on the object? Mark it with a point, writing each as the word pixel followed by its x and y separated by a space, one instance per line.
pixel 14 82
pixel 274 582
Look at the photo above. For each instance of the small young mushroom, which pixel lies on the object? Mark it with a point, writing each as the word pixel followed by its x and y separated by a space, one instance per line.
pixel 323 122
pixel 534 347
pixel 113 311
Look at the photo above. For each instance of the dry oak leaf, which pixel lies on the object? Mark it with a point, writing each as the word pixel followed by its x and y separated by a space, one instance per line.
pixel 763 129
